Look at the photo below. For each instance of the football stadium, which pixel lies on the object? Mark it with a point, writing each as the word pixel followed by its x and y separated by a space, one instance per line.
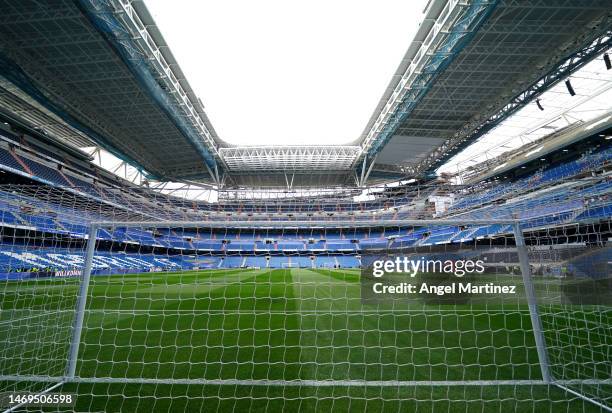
pixel 452 254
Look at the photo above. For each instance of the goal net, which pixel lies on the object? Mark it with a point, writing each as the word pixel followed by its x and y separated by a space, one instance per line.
pixel 163 315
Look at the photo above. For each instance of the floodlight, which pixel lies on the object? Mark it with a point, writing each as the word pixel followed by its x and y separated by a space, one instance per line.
pixel 570 89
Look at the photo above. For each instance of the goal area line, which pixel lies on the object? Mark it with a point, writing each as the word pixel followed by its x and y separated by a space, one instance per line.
pixel 305 383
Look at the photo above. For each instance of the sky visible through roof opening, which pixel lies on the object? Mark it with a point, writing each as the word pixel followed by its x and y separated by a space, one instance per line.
pixel 275 72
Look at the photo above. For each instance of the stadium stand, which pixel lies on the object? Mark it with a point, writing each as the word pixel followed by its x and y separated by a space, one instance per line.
pixel 539 199
pixel 530 199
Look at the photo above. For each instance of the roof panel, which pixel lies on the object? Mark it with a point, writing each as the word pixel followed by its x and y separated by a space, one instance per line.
pixel 76 67
pixel 516 45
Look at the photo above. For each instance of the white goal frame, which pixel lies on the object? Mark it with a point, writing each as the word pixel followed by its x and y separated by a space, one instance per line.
pixel 539 338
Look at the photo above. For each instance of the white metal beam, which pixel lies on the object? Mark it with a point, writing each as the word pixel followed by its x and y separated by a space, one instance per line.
pixel 290 158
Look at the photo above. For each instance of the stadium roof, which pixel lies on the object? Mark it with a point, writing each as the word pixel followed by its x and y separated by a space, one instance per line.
pixel 533 126
pixel 99 73
pixel 463 78
pixel 103 68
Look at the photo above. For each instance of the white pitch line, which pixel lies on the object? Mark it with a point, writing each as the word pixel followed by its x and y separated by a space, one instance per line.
pixel 348 312
pixel 300 383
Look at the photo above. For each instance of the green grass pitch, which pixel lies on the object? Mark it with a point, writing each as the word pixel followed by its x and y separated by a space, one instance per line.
pixel 280 325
